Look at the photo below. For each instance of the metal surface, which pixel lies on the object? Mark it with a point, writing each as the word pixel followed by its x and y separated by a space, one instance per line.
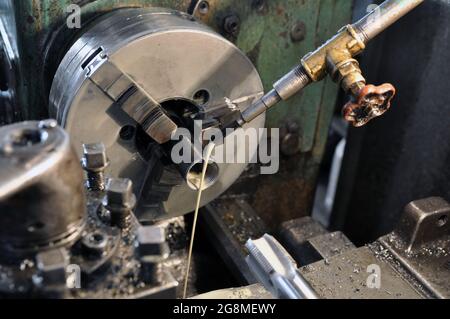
pixel 345 277
pixel 424 221
pixel 9 60
pixel 41 189
pixel 265 37
pixel 370 102
pixel 153 250
pixel 410 262
pixel 51 268
pixel 421 243
pixel 149 45
pixel 43 40
pixel 274 54
pixel 276 269
pixel 308 241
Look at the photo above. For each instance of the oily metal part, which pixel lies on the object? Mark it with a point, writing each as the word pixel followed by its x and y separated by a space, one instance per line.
pixel 41 188
pixel 162 51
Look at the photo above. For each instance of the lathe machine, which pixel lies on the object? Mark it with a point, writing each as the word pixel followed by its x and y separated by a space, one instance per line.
pixel 335 187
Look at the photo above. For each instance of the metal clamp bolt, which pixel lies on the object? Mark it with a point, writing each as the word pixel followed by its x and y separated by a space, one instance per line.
pixel 120 201
pixel 51 266
pixel 94 162
pixel 153 250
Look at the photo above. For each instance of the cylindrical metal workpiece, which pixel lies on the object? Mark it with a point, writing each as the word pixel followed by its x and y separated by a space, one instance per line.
pixel 191 164
pixel 383 17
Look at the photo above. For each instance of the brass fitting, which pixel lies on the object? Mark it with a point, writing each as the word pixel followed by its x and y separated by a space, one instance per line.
pixel 345 70
pixel 343 46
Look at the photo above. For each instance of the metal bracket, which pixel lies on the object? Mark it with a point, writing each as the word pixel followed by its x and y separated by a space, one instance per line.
pixel 132 98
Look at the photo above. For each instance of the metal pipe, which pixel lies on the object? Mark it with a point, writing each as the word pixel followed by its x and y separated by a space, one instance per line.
pixel 383 17
pixel 283 89
pixel 191 168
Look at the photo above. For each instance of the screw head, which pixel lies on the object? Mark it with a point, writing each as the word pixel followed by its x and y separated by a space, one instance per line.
pixel 151 241
pixel 52 266
pixel 119 193
pixel 127 133
pixel 203 7
pixel 290 138
pixel 298 32
pixel 232 24
pixel 94 157
pixel 293 127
